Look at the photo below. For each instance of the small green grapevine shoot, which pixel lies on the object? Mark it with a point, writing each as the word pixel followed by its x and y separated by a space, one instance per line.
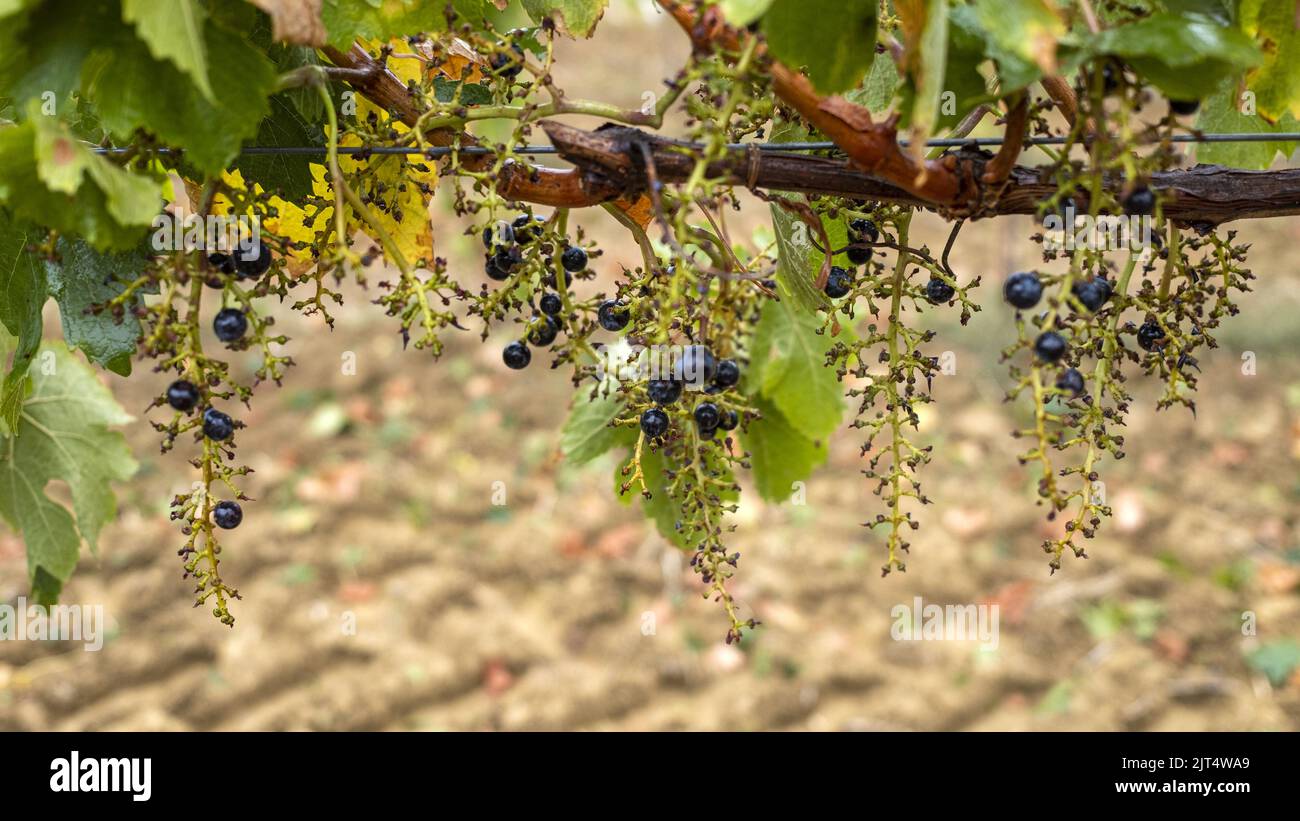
pixel 142 191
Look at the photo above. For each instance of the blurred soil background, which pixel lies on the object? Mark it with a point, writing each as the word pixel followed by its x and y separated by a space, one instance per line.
pixel 375 511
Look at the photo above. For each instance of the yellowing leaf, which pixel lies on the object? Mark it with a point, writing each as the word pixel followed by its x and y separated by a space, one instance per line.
pixel 402 209
pixel 1277 81
pixel 233 180
pixel 640 209
pixel 297 224
pixel 460 55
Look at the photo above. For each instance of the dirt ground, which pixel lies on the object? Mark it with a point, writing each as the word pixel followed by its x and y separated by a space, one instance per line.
pixel 376 512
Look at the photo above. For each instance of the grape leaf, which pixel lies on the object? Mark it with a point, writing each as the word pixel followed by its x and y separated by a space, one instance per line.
pixel 86 278
pixel 1220 10
pixel 173 30
pixel 964 86
pixel 586 433
pixel 962 76
pixel 348 20
pixel 878 89
pixel 295 21
pixel 925 25
pixel 1025 30
pixel 798 260
pixel 1014 71
pixel 445 89
pixel 62 435
pixel 744 12
pixel 779 454
pixel 49 178
pixel 43 51
pixel 412 234
pixel 1220 114
pixel 834 39
pixel 9 7
pixel 286 58
pixel 792 371
pixel 288 174
pixel 576 18
pixel 1276 82
pixel 134 90
pixel 1184 55
pixel 22 293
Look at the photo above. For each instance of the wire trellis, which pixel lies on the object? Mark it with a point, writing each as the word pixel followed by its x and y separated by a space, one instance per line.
pixel 942 142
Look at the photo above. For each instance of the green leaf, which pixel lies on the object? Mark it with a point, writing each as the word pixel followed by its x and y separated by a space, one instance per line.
pixel 1276 659
pixel 44 176
pixel 444 89
pixel 576 18
pixel 22 293
pixel 792 371
pixel 10 7
pixel 1014 71
pixel 779 454
pixel 964 86
pixel 134 90
pixel 173 30
pixel 878 90
pixel 62 162
pixel 1184 55
pixel 834 39
pixel 84 279
pixel 348 20
pixel 586 433
pixel 1220 114
pixel 1025 31
pixel 43 52
pixel 928 60
pixel 798 260
pixel 744 12
pixel 286 57
pixel 1220 10
pixel 289 174
pixel 62 435
pixel 1276 82
pixel 962 76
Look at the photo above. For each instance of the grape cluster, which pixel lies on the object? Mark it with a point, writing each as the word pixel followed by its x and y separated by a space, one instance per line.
pixel 1151 302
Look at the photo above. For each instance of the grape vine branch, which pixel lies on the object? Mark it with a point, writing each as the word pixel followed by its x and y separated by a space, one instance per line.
pixel 610 168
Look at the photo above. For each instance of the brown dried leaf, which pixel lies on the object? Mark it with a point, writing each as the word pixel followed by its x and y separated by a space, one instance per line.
pixel 295 21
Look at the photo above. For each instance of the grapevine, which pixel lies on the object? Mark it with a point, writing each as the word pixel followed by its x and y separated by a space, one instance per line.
pixel 722 354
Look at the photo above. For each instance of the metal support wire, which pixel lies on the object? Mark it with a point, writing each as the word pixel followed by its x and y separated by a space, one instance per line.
pixel 942 142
